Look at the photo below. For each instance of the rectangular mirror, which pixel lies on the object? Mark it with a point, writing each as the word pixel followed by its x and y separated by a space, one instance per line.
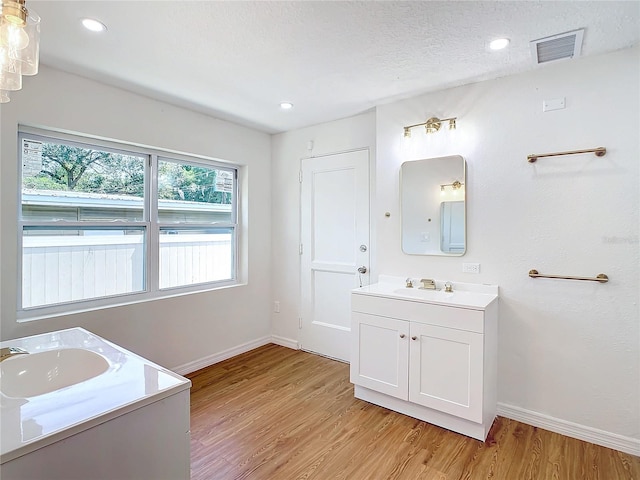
pixel 434 206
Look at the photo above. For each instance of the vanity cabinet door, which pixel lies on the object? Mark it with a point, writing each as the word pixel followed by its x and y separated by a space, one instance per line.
pixel 446 368
pixel 380 354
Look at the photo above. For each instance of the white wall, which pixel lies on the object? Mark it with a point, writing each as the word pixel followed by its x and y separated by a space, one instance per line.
pixel 287 151
pixel 174 332
pixel 567 349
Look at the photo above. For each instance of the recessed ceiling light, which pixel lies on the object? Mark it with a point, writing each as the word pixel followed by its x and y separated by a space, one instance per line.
pixel 286 105
pixel 499 44
pixel 93 25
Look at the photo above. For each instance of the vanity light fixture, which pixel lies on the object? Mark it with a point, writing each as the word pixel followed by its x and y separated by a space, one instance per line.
pixel 455 186
pixel 19 45
pixel 432 125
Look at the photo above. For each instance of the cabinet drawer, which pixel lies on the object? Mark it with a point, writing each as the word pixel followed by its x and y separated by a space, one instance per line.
pixel 439 315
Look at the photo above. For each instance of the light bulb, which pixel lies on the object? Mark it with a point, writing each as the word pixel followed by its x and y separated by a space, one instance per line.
pixel 13 36
pixel 499 44
pixel 93 25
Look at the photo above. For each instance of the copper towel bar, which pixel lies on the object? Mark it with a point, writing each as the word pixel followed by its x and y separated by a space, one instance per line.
pixel 600 152
pixel 602 278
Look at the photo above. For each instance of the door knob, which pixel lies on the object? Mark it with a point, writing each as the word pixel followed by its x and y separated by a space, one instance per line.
pixel 414 338
pixel 402 335
pixel 362 269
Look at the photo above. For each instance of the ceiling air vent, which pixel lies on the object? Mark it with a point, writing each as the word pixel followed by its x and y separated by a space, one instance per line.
pixel 556 47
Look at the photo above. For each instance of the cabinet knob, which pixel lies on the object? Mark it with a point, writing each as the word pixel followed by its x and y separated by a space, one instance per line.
pixel 402 335
pixel 414 338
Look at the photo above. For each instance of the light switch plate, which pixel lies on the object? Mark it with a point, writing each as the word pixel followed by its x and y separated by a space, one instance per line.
pixel 553 104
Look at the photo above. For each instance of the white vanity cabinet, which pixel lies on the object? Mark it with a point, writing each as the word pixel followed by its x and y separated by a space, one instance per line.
pixel 426 357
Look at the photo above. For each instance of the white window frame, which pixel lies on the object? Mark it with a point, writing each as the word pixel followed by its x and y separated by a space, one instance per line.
pixel 150 223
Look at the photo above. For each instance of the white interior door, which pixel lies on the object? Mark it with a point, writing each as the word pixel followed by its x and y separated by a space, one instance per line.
pixel 334 244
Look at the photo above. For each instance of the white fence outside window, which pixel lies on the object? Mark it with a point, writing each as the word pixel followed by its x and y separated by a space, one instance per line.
pixel 65 268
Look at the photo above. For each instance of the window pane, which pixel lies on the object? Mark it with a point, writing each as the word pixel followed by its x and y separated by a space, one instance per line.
pixel 190 256
pixel 194 194
pixel 62 265
pixel 77 183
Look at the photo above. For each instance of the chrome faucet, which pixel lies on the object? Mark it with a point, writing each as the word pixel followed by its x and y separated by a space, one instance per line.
pixel 428 284
pixel 409 283
pixel 9 352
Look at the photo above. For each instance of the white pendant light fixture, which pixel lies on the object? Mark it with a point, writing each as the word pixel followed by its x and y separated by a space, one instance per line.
pixel 19 45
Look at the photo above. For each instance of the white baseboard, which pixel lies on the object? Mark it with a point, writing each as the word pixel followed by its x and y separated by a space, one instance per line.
pixel 219 357
pixel 232 352
pixel 285 342
pixel 581 432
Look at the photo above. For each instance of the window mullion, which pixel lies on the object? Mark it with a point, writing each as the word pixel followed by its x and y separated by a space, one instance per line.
pixel 153 244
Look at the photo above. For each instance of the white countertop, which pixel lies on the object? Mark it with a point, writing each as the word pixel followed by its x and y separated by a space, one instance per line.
pixel 465 295
pixel 129 383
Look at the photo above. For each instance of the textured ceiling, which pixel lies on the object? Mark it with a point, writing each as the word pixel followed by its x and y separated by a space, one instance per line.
pixel 332 59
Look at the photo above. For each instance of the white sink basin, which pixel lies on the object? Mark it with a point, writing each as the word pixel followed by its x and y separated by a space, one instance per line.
pixel 465 295
pixel 422 293
pixel 39 373
pixel 455 298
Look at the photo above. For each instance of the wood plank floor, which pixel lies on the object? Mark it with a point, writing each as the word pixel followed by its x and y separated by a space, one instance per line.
pixel 276 413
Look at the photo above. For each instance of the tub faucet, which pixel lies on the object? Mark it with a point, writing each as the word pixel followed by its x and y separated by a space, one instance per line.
pixel 10 352
pixel 409 283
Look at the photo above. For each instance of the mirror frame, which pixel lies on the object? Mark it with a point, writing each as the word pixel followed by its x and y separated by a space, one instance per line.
pixel 426 221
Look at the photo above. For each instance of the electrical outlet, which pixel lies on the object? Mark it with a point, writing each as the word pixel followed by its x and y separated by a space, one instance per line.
pixel 276 307
pixel 471 268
